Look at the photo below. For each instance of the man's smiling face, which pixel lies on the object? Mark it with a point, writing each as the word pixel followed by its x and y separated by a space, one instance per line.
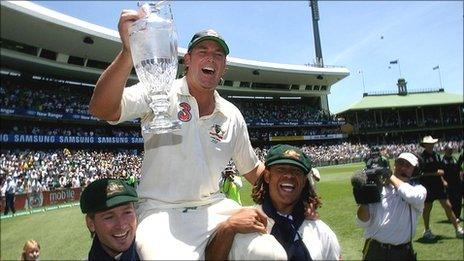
pixel 115 228
pixel 206 64
pixel 286 182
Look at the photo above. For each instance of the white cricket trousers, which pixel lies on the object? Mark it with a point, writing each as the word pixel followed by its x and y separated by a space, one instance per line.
pixel 183 233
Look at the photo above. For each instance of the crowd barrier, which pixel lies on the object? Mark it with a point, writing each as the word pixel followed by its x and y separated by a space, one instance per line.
pixel 28 201
pixel 31 138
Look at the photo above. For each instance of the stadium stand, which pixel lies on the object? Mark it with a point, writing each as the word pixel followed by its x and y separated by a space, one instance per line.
pixel 406 116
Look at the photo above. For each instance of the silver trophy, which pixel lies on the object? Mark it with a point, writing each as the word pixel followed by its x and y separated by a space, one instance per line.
pixel 153 43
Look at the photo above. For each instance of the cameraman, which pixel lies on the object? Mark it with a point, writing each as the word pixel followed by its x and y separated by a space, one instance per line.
pixel 376 159
pixel 391 223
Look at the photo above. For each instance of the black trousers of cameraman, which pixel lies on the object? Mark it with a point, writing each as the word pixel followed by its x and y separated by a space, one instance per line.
pixel 375 250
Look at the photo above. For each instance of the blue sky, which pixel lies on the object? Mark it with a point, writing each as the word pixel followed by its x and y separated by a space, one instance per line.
pixel 359 35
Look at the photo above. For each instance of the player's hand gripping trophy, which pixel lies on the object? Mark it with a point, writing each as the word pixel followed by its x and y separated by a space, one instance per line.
pixel 153 44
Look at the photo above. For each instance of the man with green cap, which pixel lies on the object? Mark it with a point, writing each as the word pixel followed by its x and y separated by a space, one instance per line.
pixel 282 193
pixel 180 201
pixel 110 218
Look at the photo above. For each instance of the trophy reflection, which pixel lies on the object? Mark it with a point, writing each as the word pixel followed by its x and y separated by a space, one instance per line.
pixel 153 43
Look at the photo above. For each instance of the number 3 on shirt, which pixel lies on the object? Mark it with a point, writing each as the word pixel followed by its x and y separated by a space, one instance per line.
pixel 184 114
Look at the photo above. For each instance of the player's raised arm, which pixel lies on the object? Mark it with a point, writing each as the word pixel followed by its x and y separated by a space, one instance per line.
pixel 106 99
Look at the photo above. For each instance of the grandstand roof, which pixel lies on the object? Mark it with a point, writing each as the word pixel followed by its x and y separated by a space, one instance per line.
pixel 401 101
pixel 47 29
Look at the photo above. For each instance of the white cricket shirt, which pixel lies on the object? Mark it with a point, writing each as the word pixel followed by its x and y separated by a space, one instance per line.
pixel 184 168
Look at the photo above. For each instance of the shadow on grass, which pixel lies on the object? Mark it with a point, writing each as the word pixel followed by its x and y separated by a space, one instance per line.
pixel 437 239
pixel 445 221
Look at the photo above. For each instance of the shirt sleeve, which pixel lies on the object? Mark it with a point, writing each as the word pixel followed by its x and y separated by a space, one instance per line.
pixel 372 214
pixel 332 249
pixel 134 103
pixel 414 195
pixel 361 223
pixel 244 156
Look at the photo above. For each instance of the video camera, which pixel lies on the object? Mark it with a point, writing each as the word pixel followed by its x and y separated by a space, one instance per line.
pixel 367 184
pixel 376 160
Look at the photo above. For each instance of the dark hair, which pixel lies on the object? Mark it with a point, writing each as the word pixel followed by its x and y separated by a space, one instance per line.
pixel 91 216
pixel 308 194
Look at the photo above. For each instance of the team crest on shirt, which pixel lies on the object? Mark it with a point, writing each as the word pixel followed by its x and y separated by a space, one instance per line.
pixel 216 133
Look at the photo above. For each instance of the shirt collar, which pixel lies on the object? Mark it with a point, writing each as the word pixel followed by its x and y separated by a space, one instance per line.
pixel 184 90
pixel 220 102
pixel 118 256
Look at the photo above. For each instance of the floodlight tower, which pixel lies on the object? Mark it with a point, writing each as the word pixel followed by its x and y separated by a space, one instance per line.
pixel 317 39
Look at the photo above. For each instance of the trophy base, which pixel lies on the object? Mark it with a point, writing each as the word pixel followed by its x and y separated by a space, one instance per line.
pixel 159 127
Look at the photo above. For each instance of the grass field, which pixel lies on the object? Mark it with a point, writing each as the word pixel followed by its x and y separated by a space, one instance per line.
pixel 63 235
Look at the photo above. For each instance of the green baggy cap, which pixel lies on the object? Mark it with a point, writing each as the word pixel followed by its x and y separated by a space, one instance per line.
pixel 289 155
pixel 209 34
pixel 104 194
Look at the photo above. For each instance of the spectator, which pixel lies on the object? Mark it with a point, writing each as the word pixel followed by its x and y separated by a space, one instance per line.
pixel 453 181
pixel 31 251
pixel 9 191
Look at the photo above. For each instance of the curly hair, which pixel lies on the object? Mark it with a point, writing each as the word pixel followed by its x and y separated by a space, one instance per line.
pixel 308 194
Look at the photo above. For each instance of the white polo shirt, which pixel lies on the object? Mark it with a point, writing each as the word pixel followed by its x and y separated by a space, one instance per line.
pixel 184 168
pixel 390 219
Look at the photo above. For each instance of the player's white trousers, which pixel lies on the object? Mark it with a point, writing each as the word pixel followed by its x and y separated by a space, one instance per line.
pixel 183 233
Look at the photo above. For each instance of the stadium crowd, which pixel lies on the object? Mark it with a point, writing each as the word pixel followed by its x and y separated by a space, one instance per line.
pixel 44 97
pixel 34 170
pixel 346 152
pixel 260 112
pixel 54 98
pixel 265 133
pixel 406 119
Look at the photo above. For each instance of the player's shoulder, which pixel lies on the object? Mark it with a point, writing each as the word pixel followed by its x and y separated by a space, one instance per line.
pixel 228 108
pixel 225 103
pixel 317 224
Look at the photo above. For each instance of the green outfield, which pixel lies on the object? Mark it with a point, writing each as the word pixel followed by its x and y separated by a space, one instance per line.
pixel 63 235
